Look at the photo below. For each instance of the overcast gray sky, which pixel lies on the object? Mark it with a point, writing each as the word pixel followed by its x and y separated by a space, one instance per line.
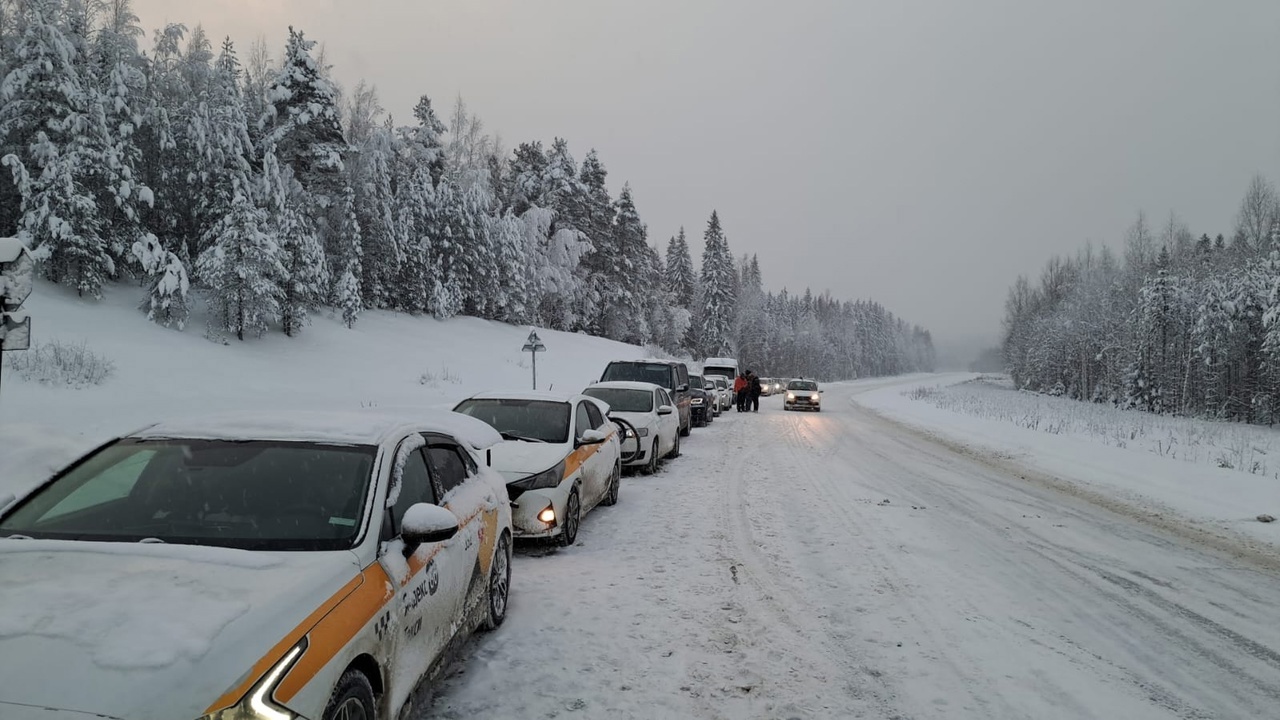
pixel 921 153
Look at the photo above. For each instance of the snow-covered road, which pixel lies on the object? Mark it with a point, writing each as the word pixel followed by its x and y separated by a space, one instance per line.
pixel 836 565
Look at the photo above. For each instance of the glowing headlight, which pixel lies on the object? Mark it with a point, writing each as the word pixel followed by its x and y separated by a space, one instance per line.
pixel 697 401
pixel 642 432
pixel 791 396
pixel 543 480
pixel 548 514
pixel 814 397
pixel 258 703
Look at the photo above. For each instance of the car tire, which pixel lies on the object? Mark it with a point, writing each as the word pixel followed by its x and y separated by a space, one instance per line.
pixel 572 519
pixel 615 483
pixel 675 449
pixel 651 467
pixel 499 584
pixel 685 429
pixel 352 698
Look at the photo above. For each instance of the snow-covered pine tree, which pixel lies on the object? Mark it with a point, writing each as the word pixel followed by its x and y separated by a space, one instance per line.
pixel 719 279
pixel 628 287
pixel 242 269
pixel 303 121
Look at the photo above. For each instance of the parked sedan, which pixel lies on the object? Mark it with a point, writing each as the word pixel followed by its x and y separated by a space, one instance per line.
pixel 648 409
pixel 258 567
pixel 702 412
pixel 561 457
pixel 724 389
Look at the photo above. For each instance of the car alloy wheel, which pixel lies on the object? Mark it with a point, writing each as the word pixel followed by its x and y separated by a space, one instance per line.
pixel 352 699
pixel 675 448
pixel 651 467
pixel 499 583
pixel 572 516
pixel 615 483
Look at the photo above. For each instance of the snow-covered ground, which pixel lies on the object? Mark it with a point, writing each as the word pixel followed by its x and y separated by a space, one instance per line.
pixel 386 360
pixel 835 565
pixel 1172 469
pixel 788 565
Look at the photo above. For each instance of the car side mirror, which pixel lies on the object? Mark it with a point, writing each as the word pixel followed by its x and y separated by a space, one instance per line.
pixel 665 410
pixel 426 523
pixel 592 437
pixel 683 388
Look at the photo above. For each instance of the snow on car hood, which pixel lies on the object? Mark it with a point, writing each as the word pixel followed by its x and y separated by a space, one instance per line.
pixel 515 459
pixel 147 631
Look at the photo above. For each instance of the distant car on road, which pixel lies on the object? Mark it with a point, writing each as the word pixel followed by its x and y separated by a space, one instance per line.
pixel 655 427
pixel 561 457
pixel 259 566
pixel 803 394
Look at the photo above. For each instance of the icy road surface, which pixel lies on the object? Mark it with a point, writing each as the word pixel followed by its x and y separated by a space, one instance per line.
pixel 835 565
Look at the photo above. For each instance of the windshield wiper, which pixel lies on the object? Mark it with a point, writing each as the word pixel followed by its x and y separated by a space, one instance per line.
pixel 511 436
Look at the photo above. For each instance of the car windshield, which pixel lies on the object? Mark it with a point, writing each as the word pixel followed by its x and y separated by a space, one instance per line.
pixel 802 385
pixel 243 494
pixel 655 373
pixel 623 400
pixel 529 420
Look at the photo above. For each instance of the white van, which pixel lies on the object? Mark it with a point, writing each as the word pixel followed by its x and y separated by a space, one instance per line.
pixel 726 367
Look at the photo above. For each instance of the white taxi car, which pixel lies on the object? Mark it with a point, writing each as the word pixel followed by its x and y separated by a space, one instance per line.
pixel 655 427
pixel 561 458
pixel 252 568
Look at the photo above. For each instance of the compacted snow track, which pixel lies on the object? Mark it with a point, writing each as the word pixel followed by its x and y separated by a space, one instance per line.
pixel 834 565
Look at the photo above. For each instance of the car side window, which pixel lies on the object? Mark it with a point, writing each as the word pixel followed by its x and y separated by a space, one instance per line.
pixel 582 422
pixel 450 468
pixel 415 487
pixel 663 398
pixel 596 417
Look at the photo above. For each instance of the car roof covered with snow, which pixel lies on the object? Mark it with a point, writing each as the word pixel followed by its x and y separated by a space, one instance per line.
pixel 542 395
pixel 364 427
pixel 625 385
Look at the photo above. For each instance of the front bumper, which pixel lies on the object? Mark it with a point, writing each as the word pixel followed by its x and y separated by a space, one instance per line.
pixel 524 515
pixel 642 457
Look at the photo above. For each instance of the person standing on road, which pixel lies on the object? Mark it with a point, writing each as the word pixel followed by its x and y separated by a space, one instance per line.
pixel 753 391
pixel 740 392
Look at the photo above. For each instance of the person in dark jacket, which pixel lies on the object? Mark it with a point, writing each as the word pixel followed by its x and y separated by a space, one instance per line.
pixel 753 391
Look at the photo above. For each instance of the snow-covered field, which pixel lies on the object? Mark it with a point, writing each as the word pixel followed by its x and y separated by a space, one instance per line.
pixel 788 565
pixel 1218 477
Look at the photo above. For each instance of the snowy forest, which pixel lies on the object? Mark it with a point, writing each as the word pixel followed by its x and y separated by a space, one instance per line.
pixel 1176 324
pixel 256 186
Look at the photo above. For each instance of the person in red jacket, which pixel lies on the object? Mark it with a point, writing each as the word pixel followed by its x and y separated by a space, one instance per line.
pixel 740 391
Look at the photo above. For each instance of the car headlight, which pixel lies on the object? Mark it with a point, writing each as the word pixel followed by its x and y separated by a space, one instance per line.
pixel 642 432
pixel 697 401
pixel 791 396
pixel 257 704
pixel 814 397
pixel 541 481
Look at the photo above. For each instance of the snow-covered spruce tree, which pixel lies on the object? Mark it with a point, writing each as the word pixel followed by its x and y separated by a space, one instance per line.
pixel 242 269
pixel 681 282
pixel 46 117
pixel 751 324
pixel 303 121
pixel 719 279
pixel 346 291
pixel 587 207
pixel 626 317
pixel 301 255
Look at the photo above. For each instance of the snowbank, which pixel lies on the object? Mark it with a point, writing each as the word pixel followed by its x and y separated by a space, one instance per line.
pixel 1215 499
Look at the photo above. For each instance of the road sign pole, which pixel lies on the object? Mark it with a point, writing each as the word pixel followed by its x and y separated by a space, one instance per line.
pixel 533 346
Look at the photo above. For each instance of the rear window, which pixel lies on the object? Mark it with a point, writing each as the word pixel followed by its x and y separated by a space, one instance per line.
pixel 656 373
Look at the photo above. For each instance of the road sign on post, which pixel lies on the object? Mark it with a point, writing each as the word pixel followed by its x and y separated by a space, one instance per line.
pixel 534 346
pixel 17 277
